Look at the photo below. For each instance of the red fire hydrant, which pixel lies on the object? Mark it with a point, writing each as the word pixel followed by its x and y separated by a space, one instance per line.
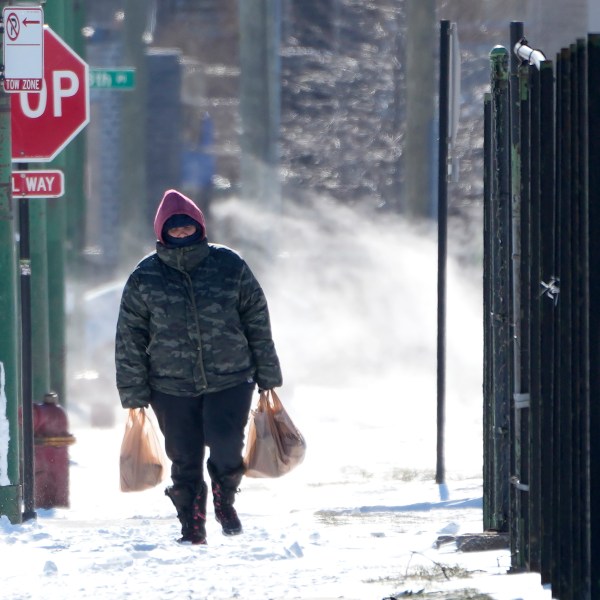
pixel 52 439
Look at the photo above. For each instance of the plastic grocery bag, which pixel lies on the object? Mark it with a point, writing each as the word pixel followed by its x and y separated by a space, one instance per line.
pixel 142 461
pixel 275 446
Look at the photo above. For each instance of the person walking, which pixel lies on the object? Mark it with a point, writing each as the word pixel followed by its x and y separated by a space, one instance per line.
pixel 193 340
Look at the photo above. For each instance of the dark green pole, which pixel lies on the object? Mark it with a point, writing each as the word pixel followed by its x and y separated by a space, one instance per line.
pixel 40 360
pixel 518 493
pixel 56 220
pixel 501 332
pixel 56 229
pixel 135 210
pixel 488 341
pixel 10 485
pixel 76 156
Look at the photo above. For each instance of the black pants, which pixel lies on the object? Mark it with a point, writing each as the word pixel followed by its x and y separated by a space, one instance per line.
pixel 215 420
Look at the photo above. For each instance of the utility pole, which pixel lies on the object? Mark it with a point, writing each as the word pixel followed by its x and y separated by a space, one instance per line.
pixel 260 101
pixel 135 211
pixel 10 484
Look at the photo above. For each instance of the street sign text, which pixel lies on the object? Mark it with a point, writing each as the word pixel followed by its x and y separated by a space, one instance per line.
pixel 112 79
pixel 23 46
pixel 38 184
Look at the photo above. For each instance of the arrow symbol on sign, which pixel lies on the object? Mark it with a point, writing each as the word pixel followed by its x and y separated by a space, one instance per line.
pixel 27 21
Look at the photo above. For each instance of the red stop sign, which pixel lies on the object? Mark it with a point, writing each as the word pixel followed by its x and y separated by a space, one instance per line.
pixel 44 123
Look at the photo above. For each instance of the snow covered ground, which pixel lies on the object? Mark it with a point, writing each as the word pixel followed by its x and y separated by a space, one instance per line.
pixel 357 520
pixel 354 321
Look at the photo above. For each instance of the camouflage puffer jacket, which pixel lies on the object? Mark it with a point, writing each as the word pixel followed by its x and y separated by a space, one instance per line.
pixel 192 320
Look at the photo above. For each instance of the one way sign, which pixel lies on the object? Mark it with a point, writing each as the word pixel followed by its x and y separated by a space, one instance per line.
pixel 38 184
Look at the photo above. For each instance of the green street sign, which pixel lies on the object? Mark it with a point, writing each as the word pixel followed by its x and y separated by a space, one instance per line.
pixel 112 79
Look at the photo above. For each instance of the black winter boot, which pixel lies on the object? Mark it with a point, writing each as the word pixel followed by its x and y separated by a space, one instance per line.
pixel 199 515
pixel 191 512
pixel 224 488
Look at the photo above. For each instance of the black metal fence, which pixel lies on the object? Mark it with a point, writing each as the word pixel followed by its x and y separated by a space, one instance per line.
pixel 542 311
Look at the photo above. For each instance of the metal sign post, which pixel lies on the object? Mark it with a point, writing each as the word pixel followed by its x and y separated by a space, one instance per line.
pixel 25 274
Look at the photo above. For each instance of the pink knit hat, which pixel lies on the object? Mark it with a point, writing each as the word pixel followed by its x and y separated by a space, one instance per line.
pixel 175 203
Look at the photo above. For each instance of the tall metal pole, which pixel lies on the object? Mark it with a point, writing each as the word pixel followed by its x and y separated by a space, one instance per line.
pixel 54 15
pixel 488 374
pixel 593 188
pixel 444 79
pixel 26 341
pixel 76 154
pixel 516 33
pixel 10 438
pixel 40 349
pixel 520 401
pixel 500 281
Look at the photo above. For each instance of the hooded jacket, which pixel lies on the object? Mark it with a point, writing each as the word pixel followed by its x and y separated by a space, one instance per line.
pixel 192 320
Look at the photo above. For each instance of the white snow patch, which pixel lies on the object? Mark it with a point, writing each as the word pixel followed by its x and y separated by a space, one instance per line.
pixel 4 430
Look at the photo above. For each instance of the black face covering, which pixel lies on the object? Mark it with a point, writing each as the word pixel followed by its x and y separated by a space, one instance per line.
pixel 173 242
pixel 181 221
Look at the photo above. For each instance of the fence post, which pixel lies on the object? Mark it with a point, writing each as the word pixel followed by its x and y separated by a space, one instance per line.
pixel 500 281
pixel 520 401
pixel 547 296
pixel 488 387
pixel 536 406
pixel 593 282
pixel 581 351
pixel 563 424
pixel 531 443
